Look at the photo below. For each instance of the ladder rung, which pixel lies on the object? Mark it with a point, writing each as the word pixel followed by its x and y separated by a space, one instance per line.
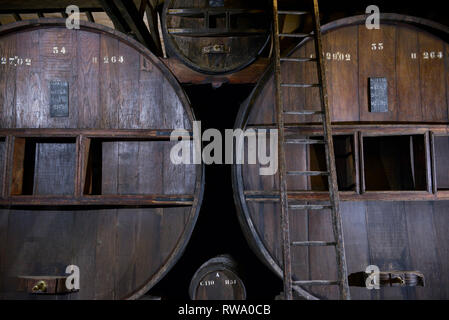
pixel 297 59
pixel 304 141
pixel 313 244
pixel 316 283
pixel 295 35
pixel 300 85
pixel 308 173
pixel 303 113
pixel 297 13
pixel 309 207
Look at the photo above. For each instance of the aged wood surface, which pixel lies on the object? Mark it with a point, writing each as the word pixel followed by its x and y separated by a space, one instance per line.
pixel 210 44
pixel 248 75
pixel 97 188
pixel 389 163
pixel 217 279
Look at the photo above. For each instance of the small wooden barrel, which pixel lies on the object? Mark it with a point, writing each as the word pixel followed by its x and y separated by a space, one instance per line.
pixel 216 36
pixel 217 279
pixel 87 182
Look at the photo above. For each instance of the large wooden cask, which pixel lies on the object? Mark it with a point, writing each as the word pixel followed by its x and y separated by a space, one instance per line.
pixel 388 94
pixel 217 279
pixel 216 36
pixel 86 176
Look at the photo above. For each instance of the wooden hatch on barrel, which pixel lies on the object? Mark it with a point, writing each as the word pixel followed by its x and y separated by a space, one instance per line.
pixel 216 36
pixel 85 123
pixel 388 95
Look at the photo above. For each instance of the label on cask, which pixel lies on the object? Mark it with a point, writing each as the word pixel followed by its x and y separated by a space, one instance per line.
pixel 378 92
pixel 59 98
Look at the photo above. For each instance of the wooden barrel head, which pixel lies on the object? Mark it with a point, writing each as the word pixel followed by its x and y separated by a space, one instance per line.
pixel 217 279
pixel 87 180
pixel 388 92
pixel 216 36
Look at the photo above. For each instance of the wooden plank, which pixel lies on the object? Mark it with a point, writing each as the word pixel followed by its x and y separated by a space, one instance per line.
pixel 152 16
pixel 440 218
pixel 423 247
pixel 55 169
pixel 29 91
pixel 3 174
pixel 408 73
pixel 341 57
pixel 378 62
pixel 112 134
pixel 8 48
pixel 270 196
pixel 156 200
pixel 433 164
pixel 89 61
pixel 34 6
pixel 441 162
pixel 109 83
pixel 130 14
pixel 388 242
pixel 17 166
pixel 428 162
pixel 433 80
pixel 356 242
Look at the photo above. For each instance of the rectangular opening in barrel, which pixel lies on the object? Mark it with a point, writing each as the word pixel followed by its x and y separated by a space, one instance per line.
pixel 124 167
pixel 441 147
pixel 312 157
pixel 395 163
pixel 2 158
pixel 43 166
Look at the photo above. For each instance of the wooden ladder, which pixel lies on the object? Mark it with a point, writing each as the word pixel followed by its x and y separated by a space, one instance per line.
pixel 333 204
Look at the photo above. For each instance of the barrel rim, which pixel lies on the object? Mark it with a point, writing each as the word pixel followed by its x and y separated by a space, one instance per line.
pixel 172 50
pixel 179 248
pixel 243 213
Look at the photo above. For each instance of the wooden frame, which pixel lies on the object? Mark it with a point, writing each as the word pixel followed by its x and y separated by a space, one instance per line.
pixel 429 132
pixel 13 172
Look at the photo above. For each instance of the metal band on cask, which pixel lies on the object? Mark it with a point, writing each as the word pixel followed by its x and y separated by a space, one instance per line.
pixel 217 279
pixel 91 205
pixel 216 36
pixel 388 92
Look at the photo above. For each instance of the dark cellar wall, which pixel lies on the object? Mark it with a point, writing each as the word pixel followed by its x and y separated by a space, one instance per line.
pixel 217 230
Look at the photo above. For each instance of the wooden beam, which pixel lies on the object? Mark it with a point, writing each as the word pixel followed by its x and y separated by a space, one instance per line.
pixel 16 16
pixel 273 196
pixel 129 12
pixel 249 75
